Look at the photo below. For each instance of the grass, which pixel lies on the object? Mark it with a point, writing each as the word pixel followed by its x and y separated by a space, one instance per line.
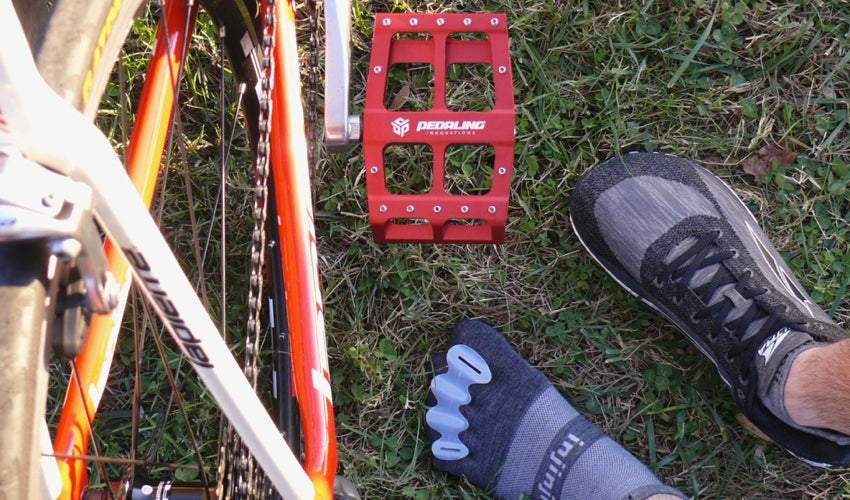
pixel 720 83
pixel 757 91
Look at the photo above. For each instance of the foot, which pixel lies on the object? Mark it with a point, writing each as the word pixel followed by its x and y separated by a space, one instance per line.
pixel 677 237
pixel 500 423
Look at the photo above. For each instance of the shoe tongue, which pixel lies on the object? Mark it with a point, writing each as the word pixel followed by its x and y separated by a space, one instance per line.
pixel 718 273
pixel 703 275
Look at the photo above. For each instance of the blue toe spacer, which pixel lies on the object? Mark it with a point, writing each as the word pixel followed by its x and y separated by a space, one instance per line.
pixel 466 367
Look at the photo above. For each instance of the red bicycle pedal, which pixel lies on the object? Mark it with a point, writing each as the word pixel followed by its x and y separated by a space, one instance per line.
pixel 442 212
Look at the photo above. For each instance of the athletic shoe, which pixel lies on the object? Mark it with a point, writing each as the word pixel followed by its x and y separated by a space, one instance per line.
pixel 677 237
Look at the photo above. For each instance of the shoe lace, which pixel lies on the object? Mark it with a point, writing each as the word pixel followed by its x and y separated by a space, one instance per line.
pixel 734 314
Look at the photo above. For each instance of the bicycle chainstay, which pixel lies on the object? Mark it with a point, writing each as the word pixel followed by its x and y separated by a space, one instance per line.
pixel 242 477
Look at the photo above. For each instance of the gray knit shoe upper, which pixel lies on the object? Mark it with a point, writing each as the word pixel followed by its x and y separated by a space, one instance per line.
pixel 676 236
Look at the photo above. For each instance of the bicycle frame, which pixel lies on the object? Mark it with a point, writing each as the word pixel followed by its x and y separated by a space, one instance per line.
pixel 71 145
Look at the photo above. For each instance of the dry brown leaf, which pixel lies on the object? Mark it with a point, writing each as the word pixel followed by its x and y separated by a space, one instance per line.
pixel 712 162
pixel 767 158
pixel 775 153
pixel 756 166
pixel 399 98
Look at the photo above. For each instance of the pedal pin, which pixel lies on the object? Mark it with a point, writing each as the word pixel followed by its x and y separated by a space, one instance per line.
pixel 49 200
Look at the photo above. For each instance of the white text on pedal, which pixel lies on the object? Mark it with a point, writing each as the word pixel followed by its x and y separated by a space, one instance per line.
pixel 451 125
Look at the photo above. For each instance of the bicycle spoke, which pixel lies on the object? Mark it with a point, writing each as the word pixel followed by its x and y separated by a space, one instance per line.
pixel 90 419
pixel 182 408
pixel 138 341
pixel 200 284
pixel 126 461
pixel 225 151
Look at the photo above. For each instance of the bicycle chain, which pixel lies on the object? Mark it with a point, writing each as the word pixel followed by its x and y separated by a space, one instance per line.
pixel 312 113
pixel 244 479
pixel 241 478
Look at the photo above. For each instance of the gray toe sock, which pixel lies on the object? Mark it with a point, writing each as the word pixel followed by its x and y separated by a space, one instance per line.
pixel 525 439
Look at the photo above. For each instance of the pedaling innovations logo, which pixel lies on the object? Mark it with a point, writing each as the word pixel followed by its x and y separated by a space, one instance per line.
pixel 451 127
pixel 401 126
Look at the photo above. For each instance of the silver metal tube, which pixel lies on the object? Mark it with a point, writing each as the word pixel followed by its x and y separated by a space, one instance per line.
pixel 340 128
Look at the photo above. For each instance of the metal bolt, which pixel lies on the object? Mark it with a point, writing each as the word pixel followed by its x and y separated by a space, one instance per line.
pixel 374 169
pixel 492 209
pixel 467 22
pixel 48 200
pixel 383 209
pixel 386 21
pixel 414 21
pixel 464 209
pixel 494 22
pixel 502 70
pixel 437 209
pixel 112 290
pixel 410 208
pixel 355 127
pixel 66 249
pixel 502 170
pixel 378 70
pixel 441 21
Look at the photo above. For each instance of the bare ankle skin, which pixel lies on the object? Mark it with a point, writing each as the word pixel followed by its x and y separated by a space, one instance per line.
pixel 817 391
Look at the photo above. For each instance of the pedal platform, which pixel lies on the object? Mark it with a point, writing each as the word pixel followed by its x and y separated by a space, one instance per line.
pixel 438 128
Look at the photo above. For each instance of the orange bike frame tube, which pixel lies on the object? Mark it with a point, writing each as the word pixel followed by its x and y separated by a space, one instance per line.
pixel 144 156
pixel 291 175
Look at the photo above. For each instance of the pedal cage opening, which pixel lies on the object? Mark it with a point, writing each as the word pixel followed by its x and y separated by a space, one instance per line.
pixel 441 212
